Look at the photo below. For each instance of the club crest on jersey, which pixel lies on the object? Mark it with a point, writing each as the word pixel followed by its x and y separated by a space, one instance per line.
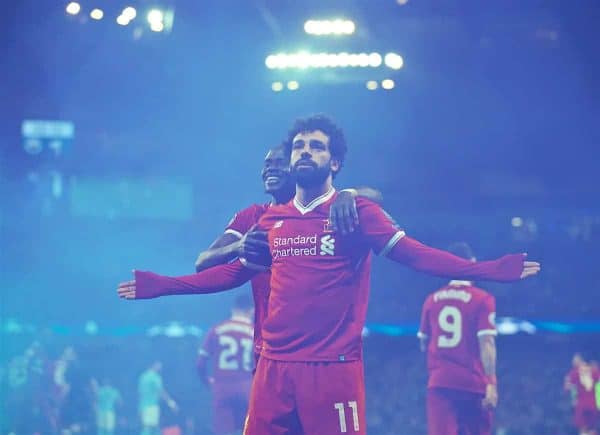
pixel 327 227
pixel 327 245
pixel 278 224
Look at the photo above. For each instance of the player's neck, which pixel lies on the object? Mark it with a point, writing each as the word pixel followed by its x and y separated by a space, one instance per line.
pixel 305 195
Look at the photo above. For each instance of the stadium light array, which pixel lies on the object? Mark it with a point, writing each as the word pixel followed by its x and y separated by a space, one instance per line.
pixel 329 27
pixel 97 14
pixel 73 8
pixel 277 86
pixel 129 12
pixel 304 60
pixel 293 85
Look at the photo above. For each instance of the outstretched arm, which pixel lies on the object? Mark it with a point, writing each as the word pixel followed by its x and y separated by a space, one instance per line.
pixel 149 285
pixel 434 261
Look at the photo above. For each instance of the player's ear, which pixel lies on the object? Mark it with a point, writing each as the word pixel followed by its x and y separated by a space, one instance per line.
pixel 334 164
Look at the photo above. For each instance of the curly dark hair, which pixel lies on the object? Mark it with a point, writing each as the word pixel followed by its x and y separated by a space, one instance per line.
pixel 337 140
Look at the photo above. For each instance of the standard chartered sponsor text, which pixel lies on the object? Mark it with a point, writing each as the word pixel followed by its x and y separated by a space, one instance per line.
pixel 294 246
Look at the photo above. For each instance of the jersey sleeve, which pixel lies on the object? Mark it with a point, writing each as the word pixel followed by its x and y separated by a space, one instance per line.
pixel 241 222
pixel 377 227
pixel 425 328
pixel 486 317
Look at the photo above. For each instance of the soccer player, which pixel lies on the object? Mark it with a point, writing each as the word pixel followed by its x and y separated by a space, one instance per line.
pixel 227 349
pixel 107 397
pixel 309 378
pixel 582 380
pixel 151 391
pixel 240 240
pixel 458 332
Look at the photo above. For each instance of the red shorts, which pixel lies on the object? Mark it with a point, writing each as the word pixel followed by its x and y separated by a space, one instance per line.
pixel 230 405
pixel 308 398
pixel 450 412
pixel 586 418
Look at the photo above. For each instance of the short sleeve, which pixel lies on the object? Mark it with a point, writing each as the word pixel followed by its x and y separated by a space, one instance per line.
pixel 242 221
pixel 424 328
pixel 377 227
pixel 486 317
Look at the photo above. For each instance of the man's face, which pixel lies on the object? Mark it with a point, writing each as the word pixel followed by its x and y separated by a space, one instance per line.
pixel 276 171
pixel 311 159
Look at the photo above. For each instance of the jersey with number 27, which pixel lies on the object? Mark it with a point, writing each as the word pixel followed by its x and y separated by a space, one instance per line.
pixel 229 346
pixel 453 319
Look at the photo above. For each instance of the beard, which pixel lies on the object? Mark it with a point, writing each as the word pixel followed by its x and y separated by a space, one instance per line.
pixel 313 177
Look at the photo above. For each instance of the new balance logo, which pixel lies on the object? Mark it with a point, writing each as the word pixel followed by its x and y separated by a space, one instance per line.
pixel 327 245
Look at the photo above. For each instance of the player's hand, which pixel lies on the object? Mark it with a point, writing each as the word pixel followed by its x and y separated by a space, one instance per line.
pixel 343 216
pixel 490 400
pixel 126 290
pixel 530 268
pixel 253 244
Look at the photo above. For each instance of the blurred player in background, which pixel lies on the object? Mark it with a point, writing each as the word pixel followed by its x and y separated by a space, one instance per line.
pixel 151 391
pixel 581 382
pixel 458 332
pixel 107 397
pixel 227 352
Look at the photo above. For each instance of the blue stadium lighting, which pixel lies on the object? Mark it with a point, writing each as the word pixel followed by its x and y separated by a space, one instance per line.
pixel 277 86
pixel 73 8
pixel 293 85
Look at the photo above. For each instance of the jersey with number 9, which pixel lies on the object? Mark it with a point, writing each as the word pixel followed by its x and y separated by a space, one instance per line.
pixel 452 320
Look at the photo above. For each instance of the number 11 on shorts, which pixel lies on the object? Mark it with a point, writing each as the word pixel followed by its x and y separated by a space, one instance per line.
pixel 342 415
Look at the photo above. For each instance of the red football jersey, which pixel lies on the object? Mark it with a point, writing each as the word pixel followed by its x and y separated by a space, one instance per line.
pixel 584 380
pixel 229 347
pixel 239 225
pixel 452 320
pixel 320 279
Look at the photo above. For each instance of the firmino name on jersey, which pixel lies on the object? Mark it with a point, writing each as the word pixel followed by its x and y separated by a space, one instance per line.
pixel 452 294
pixel 294 246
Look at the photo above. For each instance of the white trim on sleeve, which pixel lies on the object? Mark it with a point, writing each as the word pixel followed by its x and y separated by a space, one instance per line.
pixel 487 332
pixel 234 232
pixel 253 266
pixel 392 242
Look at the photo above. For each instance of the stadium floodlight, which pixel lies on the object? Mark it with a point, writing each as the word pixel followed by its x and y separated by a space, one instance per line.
pixel 155 16
pixel 516 222
pixel 293 85
pixel 122 20
pixel 129 12
pixel 277 86
pixel 96 14
pixel 372 85
pixel 393 61
pixel 73 8
pixel 387 84
pixel 329 27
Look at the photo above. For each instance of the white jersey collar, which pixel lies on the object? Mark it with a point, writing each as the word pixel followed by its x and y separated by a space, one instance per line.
pixel 314 203
pixel 459 283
